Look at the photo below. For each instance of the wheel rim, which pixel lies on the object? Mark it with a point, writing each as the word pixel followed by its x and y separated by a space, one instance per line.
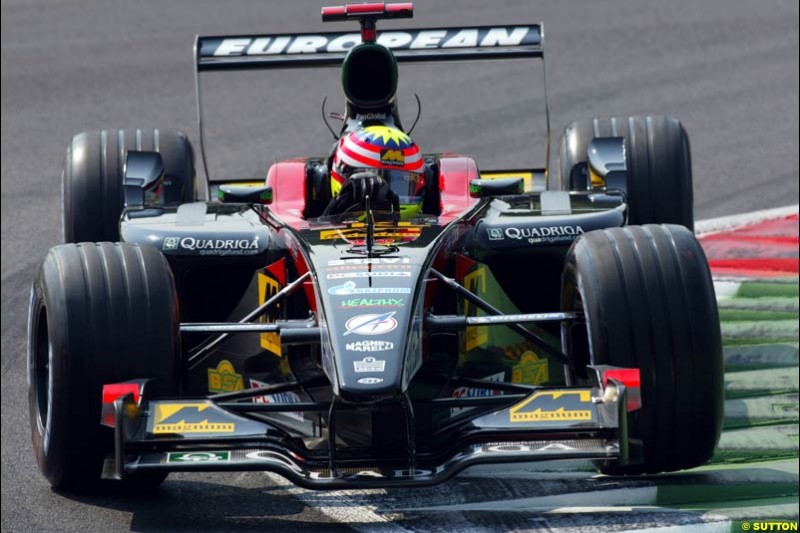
pixel 42 369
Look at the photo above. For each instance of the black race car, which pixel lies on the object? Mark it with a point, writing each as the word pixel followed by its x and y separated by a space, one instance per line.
pixel 503 322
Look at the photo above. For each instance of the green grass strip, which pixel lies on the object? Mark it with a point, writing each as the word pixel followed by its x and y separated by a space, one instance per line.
pixel 757 444
pixel 762 410
pixel 759 356
pixel 736 315
pixel 768 289
pixel 713 495
pixel 756 329
pixel 770 381
pixel 745 341
pixel 761 304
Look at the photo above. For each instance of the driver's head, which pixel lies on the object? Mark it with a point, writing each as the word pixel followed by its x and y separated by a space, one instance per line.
pixel 387 151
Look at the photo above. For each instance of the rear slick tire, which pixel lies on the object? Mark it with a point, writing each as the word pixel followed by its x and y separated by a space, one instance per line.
pixel 93 192
pixel 659 163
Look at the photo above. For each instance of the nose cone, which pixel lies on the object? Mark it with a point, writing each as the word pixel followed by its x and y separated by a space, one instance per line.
pixel 369 312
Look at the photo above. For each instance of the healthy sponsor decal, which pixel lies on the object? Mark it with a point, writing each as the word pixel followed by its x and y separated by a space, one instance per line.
pixel 370 346
pixel 554 406
pixel 371 324
pixel 395 40
pixel 224 378
pixel 360 303
pixel 198 457
pixel 543 234
pixel 369 364
pixel 370 381
pixel 278 397
pixel 202 246
pixel 381 274
pixel 348 288
pixel 189 418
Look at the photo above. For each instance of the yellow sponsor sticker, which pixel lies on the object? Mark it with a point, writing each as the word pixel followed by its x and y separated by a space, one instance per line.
pixel 554 406
pixel 224 378
pixel 392 157
pixel 267 288
pixel 187 418
pixel 379 233
pixel 382 230
pixel 475 282
pixel 530 370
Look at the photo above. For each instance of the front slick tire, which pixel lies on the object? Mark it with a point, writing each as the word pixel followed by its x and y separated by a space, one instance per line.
pixel 99 313
pixel 648 301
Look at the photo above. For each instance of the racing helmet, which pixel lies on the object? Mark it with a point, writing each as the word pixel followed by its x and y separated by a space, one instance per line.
pixel 388 151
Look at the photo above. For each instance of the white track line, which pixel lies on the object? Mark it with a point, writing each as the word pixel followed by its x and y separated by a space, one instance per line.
pixel 716 225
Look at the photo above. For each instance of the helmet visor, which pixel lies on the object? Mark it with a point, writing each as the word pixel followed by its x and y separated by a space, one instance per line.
pixel 407 185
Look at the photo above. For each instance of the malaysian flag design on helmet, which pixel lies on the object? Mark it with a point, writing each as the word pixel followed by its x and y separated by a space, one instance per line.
pixel 381 147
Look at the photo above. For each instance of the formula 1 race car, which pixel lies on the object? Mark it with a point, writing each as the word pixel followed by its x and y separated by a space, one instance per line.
pixel 315 326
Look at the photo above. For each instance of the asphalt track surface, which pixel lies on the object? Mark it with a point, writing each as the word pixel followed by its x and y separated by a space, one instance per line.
pixel 728 69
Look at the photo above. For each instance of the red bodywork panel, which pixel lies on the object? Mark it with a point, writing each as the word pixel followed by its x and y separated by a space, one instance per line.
pixel 288 182
pixel 631 379
pixel 454 176
pixel 114 391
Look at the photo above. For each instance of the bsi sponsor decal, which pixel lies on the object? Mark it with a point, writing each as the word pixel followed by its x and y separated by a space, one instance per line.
pixel 531 370
pixel 224 378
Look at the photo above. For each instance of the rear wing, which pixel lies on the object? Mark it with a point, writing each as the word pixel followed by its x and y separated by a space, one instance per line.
pixel 279 51
pixel 244 52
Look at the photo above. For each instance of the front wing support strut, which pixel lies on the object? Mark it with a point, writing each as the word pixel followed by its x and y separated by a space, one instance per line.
pixel 492 310
pixel 205 348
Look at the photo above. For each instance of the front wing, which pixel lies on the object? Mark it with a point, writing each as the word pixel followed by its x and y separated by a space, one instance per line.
pixel 212 435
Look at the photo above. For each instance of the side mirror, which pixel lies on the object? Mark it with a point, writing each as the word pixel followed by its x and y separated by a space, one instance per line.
pixel 143 173
pixel 243 194
pixel 480 188
pixel 607 163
